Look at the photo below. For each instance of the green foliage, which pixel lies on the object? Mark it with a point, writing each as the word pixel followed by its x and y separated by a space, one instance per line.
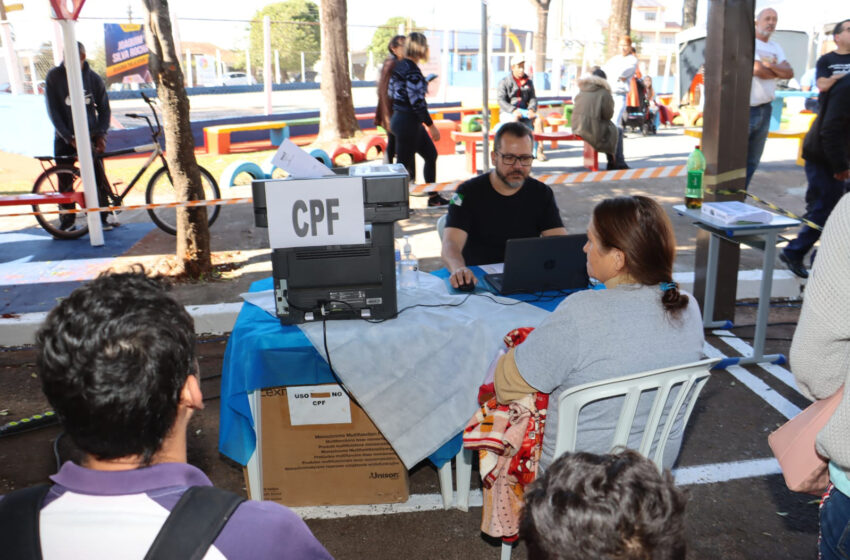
pixel 97 60
pixel 294 29
pixel 382 36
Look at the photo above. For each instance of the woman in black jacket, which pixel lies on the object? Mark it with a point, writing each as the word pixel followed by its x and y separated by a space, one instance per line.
pixel 410 110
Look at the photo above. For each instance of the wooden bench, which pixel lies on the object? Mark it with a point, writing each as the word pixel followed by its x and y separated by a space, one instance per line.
pixel 217 137
pixel 470 141
pixel 798 135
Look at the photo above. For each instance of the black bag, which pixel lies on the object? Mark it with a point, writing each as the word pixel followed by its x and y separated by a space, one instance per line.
pixel 191 527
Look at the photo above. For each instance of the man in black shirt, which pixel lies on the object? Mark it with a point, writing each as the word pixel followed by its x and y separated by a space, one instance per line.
pixel 834 65
pixel 503 204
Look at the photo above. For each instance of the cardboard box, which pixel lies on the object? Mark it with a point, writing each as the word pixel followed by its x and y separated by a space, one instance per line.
pixel 320 448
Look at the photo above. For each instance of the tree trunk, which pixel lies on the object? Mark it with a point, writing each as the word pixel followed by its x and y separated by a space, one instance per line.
pixel 193 235
pixel 337 119
pixel 689 14
pixel 540 37
pixel 619 24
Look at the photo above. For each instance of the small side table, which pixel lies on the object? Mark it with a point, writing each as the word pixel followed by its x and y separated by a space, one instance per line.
pixel 759 236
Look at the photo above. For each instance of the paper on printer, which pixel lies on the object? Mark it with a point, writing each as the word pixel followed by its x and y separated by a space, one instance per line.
pixel 298 163
pixel 734 212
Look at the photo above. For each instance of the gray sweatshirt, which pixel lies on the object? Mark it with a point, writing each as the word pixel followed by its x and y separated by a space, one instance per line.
pixel 820 351
pixel 600 334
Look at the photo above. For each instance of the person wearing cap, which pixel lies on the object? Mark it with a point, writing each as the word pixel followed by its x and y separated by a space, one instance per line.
pixel 518 101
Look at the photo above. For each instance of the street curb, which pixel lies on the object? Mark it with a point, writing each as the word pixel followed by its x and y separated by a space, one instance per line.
pixel 219 318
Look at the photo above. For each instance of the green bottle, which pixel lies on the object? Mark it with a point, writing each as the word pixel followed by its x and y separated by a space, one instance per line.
pixel 696 171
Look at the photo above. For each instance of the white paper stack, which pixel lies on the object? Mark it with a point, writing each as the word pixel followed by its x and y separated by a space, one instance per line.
pixel 734 212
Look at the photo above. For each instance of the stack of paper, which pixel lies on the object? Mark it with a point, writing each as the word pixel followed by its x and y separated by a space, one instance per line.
pixel 734 212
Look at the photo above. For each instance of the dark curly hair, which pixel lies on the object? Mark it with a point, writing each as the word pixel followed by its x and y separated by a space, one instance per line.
pixel 113 357
pixel 639 227
pixel 605 507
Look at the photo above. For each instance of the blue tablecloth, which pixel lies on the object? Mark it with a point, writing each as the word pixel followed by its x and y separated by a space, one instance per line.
pixel 263 353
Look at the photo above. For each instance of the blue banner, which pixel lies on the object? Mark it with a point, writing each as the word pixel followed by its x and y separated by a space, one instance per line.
pixel 126 54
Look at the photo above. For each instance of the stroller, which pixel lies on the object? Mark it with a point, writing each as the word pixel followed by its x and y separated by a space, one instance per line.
pixel 637 115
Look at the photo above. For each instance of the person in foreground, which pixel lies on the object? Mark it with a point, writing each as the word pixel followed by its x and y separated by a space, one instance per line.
pixel 117 363
pixel 820 361
pixel 604 507
pixel 503 204
pixel 640 322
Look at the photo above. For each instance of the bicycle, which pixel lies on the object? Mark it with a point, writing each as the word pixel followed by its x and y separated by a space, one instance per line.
pixel 160 188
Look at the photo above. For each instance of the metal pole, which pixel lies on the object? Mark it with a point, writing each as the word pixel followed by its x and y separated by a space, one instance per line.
pixel 267 62
pixel 218 69
pixel 303 79
pixel 248 62
pixel 81 129
pixel 276 66
pixel 485 102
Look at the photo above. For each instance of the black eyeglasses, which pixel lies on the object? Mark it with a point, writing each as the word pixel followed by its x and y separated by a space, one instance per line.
pixel 510 159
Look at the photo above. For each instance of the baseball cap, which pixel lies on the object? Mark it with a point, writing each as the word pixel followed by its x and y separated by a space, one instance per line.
pixel 517 59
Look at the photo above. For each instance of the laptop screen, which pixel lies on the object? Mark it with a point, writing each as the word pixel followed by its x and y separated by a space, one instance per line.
pixel 538 264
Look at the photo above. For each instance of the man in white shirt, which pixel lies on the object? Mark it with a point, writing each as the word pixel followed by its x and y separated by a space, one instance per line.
pixel 620 70
pixel 769 64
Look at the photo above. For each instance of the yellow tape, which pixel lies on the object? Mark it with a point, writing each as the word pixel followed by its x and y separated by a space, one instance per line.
pixel 711 180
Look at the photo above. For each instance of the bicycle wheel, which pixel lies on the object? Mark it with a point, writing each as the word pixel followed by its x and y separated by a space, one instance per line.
pixel 60 226
pixel 161 191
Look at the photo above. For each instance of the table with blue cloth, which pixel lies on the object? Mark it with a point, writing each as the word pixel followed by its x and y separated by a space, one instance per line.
pixel 416 376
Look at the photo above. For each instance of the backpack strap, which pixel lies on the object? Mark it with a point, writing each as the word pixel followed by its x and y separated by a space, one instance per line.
pixel 194 524
pixel 19 520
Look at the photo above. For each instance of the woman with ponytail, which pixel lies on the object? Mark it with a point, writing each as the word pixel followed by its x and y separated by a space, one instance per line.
pixel 640 322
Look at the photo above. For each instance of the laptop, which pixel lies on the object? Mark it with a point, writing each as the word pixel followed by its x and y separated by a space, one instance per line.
pixel 539 264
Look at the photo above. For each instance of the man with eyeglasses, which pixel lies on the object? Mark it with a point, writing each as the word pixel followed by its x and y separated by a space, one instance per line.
pixel 503 204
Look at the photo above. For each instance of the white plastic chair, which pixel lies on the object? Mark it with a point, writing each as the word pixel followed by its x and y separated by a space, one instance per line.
pixel 689 378
pixel 463 473
pixel 441 226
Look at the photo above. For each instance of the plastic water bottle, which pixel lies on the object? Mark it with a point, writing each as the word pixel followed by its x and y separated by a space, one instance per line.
pixel 696 171
pixel 409 266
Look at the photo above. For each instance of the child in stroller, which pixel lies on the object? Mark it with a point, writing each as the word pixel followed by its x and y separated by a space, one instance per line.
pixel 637 114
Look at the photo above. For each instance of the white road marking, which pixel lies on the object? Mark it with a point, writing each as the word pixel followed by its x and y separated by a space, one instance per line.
pixel 723 472
pixel 785 407
pixel 685 476
pixel 745 349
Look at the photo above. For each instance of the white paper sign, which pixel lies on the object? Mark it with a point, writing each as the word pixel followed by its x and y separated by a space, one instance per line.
pixel 205 68
pixel 298 163
pixel 318 404
pixel 311 212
